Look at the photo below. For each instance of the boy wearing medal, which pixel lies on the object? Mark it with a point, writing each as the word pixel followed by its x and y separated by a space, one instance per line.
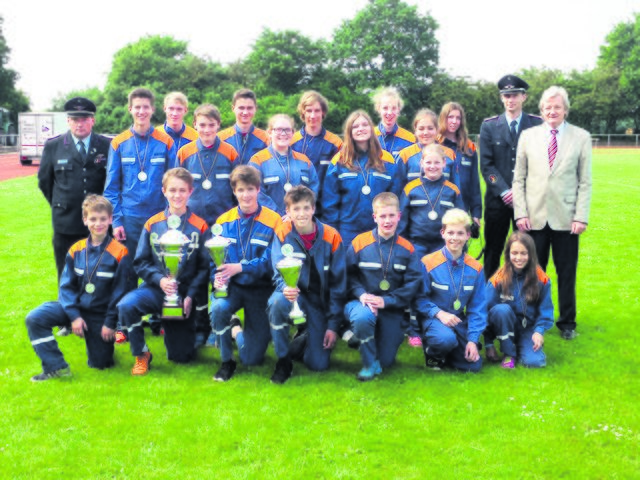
pixel 452 310
pixel 94 279
pixel 179 338
pixel 320 288
pixel 247 272
pixel 138 158
pixel 383 275
pixel 244 136
pixel 176 106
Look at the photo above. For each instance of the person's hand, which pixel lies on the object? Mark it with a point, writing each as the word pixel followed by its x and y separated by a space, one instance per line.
pixel 218 282
pixel 476 220
pixel 578 227
pixel 168 285
pixel 119 234
pixel 471 352
pixel 186 306
pixel 523 224
pixel 374 302
pixel 108 334
pixel 291 293
pixel 538 341
pixel 79 327
pixel 228 270
pixel 448 319
pixel 329 339
pixel 507 198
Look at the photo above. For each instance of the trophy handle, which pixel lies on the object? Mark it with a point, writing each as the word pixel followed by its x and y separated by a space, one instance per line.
pixel 154 240
pixel 194 244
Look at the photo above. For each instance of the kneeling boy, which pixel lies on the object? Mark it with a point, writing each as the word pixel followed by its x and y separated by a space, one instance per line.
pixel 383 275
pixel 92 282
pixel 247 272
pixel 320 290
pixel 453 309
pixel 179 338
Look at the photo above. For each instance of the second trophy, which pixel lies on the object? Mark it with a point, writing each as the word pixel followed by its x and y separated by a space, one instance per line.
pixel 290 268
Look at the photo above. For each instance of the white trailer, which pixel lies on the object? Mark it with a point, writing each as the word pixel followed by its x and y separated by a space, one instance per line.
pixel 34 129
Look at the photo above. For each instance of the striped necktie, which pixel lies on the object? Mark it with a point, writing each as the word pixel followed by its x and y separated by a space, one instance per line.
pixel 82 149
pixel 553 148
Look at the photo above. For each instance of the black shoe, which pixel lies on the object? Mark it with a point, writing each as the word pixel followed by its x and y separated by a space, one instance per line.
pixel 235 322
pixel 226 371
pixel 433 363
pixel 297 346
pixel 569 334
pixel 156 327
pixel 284 367
pixel 63 372
pixel 354 343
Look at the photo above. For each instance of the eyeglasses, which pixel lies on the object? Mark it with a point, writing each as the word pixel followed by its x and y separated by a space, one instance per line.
pixel 283 131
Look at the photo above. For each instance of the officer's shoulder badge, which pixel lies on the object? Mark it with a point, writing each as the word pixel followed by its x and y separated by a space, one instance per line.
pixel 493 178
pixel 491 119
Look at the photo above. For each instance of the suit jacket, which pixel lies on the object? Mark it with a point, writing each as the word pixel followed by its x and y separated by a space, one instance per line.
pixel 557 196
pixel 498 155
pixel 65 179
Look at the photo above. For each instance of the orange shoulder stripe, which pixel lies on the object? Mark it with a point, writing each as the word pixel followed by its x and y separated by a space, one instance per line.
pixel 403 242
pixel 542 276
pixel 387 157
pixel 228 216
pixel 198 222
pixel 409 152
pixel 120 139
pixel 434 259
pixel 226 133
pixel 301 156
pixel 472 262
pixel 190 133
pixel 261 134
pixel 158 217
pixel 333 139
pixel 269 218
pixel 163 137
pixel 449 152
pixel 362 241
pixel 186 151
pixel 284 229
pixel 331 236
pixel 116 249
pixel 416 182
pixel 497 277
pixel 261 157
pixel 405 134
pixel 452 186
pixel 78 246
pixel 228 151
pixel 296 137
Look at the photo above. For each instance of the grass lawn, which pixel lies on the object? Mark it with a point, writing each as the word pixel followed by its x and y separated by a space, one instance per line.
pixel 579 418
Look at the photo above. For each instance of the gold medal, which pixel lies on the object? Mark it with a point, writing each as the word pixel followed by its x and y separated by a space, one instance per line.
pixel 457 304
pixel 384 285
pixel 89 288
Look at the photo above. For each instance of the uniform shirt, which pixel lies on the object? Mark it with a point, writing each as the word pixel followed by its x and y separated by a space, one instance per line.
pixel 129 195
pixel 319 149
pixel 344 206
pixel 246 146
pixel 466 167
pixel 538 314
pixel 65 179
pixel 107 267
pixel 250 238
pixel 444 283
pixel 193 273
pixel 214 164
pixel 370 258
pixel 326 256
pixel 411 157
pixel 416 202
pixel 396 140
pixel 180 138
pixel 276 171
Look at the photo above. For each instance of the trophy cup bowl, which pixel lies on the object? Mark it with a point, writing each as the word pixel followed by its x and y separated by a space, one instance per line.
pixel 172 246
pixel 290 268
pixel 218 247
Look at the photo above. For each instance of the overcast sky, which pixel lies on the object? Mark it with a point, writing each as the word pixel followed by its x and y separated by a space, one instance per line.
pixel 58 46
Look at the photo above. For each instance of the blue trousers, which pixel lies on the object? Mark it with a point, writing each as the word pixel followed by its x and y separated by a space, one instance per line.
pixel 380 337
pixel 253 342
pixel 40 323
pixel 515 339
pixel 316 357
pixel 448 344
pixel 133 229
pixel 179 335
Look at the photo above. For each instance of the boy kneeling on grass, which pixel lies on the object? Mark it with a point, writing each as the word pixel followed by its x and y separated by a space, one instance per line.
pixel 94 279
pixel 453 309
pixel 179 338
pixel 321 286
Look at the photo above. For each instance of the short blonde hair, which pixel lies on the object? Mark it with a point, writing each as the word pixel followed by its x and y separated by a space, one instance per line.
pixel 310 97
pixel 280 116
pixel 385 199
pixel 179 173
pixel 96 203
pixel 456 216
pixel 207 110
pixel 178 97
pixel 435 148
pixel 384 92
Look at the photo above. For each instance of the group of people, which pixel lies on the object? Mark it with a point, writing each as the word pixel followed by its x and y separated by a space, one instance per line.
pixel 377 222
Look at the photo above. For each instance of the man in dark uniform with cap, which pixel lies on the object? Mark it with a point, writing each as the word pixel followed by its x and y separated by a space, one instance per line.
pixel 498 144
pixel 73 165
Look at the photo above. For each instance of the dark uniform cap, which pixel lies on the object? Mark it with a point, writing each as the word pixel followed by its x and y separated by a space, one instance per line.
pixel 80 107
pixel 512 84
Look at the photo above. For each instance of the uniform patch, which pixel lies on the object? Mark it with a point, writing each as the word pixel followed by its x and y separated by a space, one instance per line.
pixel 493 178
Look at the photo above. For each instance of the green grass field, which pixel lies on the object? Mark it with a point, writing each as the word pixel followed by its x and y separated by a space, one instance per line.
pixel 579 418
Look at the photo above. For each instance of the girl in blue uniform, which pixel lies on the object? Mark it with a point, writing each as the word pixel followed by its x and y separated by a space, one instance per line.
pixel 359 172
pixel 519 304
pixel 452 133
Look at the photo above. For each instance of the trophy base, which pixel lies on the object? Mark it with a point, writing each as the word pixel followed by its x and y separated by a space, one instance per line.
pixel 298 320
pixel 220 293
pixel 172 312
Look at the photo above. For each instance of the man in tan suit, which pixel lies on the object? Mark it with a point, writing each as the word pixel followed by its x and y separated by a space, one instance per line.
pixel 551 195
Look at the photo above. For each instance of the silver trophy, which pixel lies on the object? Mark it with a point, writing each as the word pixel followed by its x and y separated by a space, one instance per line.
pixel 170 249
pixel 290 268
pixel 218 246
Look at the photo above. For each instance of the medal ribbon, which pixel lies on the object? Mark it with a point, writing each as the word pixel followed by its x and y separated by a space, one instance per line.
pixel 213 163
pixel 86 259
pixel 453 282
pixel 385 266
pixel 278 158
pixel 245 247
pixel 432 204
pixel 144 159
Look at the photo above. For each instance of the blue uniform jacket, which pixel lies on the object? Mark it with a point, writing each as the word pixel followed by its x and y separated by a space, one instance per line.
pixel 275 173
pixel 440 293
pixel 344 206
pixel 411 157
pixel 319 149
pixel 127 193
pixel 328 257
pixel 109 278
pixel 366 264
pixel 180 138
pixel 254 234
pixel 218 161
pixel 415 223
pixel 193 274
pixel 541 313
pixel 397 140
pixel 466 167
pixel 255 141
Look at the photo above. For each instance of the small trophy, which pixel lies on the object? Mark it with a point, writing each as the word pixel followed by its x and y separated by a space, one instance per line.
pixel 290 267
pixel 218 246
pixel 173 244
